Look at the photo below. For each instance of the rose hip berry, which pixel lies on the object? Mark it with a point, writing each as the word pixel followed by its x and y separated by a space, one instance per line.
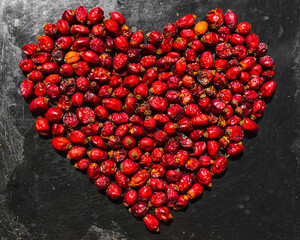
pixel 163 214
pixel 130 197
pixel 93 172
pixel 151 222
pixel 195 191
pixel 113 191
pixel 139 209
pixel 102 182
pixel 76 153
pixel 42 126
pixel 144 193
pixel 82 164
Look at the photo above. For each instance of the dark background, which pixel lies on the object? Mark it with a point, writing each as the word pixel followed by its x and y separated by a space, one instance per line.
pixel 43 197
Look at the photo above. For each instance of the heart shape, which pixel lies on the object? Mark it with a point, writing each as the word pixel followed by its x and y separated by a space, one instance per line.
pixel 152 122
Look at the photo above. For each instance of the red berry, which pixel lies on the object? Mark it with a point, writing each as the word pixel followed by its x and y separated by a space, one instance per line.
pixel 101 182
pixel 130 197
pixel 151 222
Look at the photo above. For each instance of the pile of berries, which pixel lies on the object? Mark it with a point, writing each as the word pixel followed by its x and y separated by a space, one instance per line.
pixel 148 122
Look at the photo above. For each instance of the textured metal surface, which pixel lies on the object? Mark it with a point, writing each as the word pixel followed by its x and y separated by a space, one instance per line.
pixel 43 197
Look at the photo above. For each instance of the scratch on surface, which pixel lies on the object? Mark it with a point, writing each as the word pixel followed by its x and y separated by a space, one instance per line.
pixel 7 137
pixel 280 32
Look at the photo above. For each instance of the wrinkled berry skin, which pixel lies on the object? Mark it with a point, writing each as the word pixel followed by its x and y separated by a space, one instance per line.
pixel 102 182
pixel 234 133
pixel 175 112
pixel 181 203
pixel 247 63
pixel 112 104
pixel 82 164
pixel 170 30
pixel 38 105
pixel 27 88
pixel 215 18
pixel 213 149
pixel 58 129
pixel 76 153
pixel 195 191
pixel 81 14
pixel 157 199
pixel 42 126
pixel 145 193
pixel 172 195
pixel 185 182
pixel 95 16
pixel 261 50
pixel 69 15
pixel 113 191
pixel 173 175
pixel 267 89
pixel 146 144
pixel 214 132
pixel 93 172
pixel 77 137
pixel 145 161
pixel 61 143
pixel 155 38
pixel 163 214
pixel 139 179
pixel 230 20
pixel 157 171
pixel 206 60
pixel 140 209
pixel 108 168
pixel 129 167
pixel 186 21
pixel 97 155
pixel 235 149
pixel 92 129
pixel 130 197
pixel 244 28
pixel 204 177
pixel 151 222
pixel 26 65
pixel 249 125
pixel 210 39
pixel 219 166
pixel 252 42
pixel 30 49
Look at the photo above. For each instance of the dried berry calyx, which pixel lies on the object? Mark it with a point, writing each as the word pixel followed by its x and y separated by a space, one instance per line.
pixel 151 118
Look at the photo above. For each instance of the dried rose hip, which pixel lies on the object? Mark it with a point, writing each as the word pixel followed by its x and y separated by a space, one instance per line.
pixel 61 143
pixel 195 191
pixel 42 126
pixel 151 222
pixel 113 191
pixel 82 164
pixel 130 197
pixel 93 172
pixel 140 209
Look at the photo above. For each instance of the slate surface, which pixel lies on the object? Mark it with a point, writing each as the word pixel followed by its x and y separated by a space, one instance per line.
pixel 43 197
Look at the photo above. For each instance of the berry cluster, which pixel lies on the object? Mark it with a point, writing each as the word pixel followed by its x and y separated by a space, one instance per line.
pixel 151 122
